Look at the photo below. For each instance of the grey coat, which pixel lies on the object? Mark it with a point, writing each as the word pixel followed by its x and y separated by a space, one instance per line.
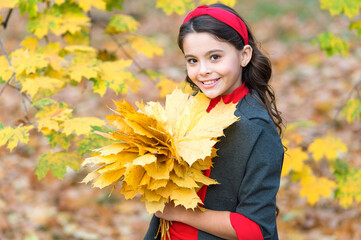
pixel 248 168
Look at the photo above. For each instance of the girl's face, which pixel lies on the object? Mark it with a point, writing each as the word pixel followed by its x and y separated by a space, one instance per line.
pixel 214 66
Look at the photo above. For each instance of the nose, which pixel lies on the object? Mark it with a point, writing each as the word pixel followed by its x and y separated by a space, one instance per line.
pixel 204 69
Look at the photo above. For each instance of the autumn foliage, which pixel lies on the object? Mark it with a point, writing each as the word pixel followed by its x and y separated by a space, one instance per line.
pixel 57 54
pixel 160 153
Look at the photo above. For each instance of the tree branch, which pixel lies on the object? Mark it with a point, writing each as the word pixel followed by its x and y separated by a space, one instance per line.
pixel 13 75
pixel 355 87
pixel 17 84
pixel 5 24
pixel 120 45
pixel 7 84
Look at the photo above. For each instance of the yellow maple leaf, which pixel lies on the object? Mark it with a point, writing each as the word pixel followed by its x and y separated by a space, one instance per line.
pixel 166 86
pixel 51 53
pixel 82 65
pixel 87 4
pixel 80 48
pixel 29 43
pixel 108 178
pixel 153 207
pixel 23 60
pixel 79 37
pixel 145 160
pixel 352 110
pixel 314 187
pixel 185 197
pixel 121 23
pixel 230 3
pixel 117 77
pixel 349 188
pixel 114 148
pixel 158 149
pixel 43 23
pixel 293 160
pixel 49 117
pixel 155 184
pixel 8 3
pixel 81 125
pixel 179 7
pixel 71 22
pixel 5 70
pixel 327 146
pixel 33 85
pixel 147 46
pixel 196 142
pixel 12 136
pixel 100 86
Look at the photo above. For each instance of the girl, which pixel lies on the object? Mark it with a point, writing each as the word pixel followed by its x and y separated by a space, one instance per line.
pixel 223 62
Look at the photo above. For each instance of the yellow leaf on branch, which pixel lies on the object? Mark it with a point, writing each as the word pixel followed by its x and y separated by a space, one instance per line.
pixel 145 45
pixel 81 48
pixel 293 160
pixel 348 7
pixel 180 6
pixel 349 188
pixel 33 85
pixel 12 136
pixel 49 117
pixel 28 62
pixel 117 77
pixel 83 65
pixel 87 4
pixel 44 22
pixel 230 3
pixel 81 125
pixel 8 3
pixel 5 70
pixel 326 147
pixel 51 52
pixel 166 86
pixel 29 43
pixel 121 23
pixel 59 1
pixel 71 22
pixel 157 157
pixel 313 187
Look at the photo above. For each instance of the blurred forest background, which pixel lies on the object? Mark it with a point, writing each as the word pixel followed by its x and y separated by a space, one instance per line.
pixel 312 89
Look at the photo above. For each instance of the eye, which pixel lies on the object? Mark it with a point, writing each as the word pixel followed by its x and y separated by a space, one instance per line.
pixel 215 57
pixel 191 60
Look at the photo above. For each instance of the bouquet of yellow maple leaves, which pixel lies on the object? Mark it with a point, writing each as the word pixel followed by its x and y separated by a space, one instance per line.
pixel 160 153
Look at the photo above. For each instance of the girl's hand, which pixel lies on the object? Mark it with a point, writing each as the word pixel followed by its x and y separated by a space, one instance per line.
pixel 172 213
pixel 214 222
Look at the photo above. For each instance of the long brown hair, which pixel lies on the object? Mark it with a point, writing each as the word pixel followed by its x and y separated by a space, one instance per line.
pixel 256 74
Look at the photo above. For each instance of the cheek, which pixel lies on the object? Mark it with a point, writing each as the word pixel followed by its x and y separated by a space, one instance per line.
pixel 192 73
pixel 227 69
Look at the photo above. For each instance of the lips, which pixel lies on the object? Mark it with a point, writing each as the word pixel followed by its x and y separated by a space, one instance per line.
pixel 209 83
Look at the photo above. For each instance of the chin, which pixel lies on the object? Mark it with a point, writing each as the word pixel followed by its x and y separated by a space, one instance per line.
pixel 211 95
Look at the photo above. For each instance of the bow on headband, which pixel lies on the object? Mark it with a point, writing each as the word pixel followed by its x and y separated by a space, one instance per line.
pixel 222 15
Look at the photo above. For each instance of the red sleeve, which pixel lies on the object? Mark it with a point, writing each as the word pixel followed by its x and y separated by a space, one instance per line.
pixel 245 228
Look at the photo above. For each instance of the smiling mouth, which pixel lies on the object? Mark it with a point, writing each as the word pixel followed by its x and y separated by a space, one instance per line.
pixel 209 82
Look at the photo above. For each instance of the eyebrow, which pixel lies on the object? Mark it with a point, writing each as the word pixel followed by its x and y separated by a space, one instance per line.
pixel 207 53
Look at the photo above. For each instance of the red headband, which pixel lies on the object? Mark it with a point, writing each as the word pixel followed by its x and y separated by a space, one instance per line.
pixel 222 15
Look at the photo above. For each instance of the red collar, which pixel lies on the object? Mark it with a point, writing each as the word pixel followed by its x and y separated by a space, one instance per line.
pixel 234 97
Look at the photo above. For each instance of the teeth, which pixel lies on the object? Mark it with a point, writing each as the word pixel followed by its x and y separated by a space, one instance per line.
pixel 209 82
